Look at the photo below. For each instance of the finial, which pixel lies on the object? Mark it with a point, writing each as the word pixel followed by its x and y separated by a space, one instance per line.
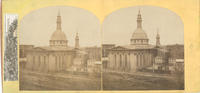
pixel 76 33
pixel 158 35
pixel 139 12
pixel 59 12
pixel 157 31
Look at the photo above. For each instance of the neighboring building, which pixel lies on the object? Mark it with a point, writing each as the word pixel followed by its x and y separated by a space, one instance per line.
pixel 94 66
pixel 23 50
pixel 176 57
pixel 176 51
pixel 176 65
pixel 80 61
pixel 23 53
pixel 105 48
pixel 94 53
pixel 161 60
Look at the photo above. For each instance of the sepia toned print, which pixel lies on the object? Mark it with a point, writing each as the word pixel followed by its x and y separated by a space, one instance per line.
pixel 59 52
pixel 60 66
pixel 141 64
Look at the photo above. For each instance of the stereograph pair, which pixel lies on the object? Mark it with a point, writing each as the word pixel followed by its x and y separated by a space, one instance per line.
pixel 68 48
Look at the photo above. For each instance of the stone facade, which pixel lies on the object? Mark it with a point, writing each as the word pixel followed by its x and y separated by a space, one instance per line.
pixel 136 56
pixel 44 60
pixel 130 60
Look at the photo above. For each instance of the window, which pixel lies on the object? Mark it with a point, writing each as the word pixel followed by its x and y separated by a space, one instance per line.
pixel 33 60
pixel 120 60
pixel 39 60
pixel 115 60
pixel 125 60
pixel 44 60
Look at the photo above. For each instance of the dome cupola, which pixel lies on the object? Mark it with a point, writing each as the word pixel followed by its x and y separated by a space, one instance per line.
pixel 58 38
pixel 139 37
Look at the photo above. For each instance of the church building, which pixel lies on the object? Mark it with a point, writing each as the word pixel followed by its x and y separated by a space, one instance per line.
pixel 137 55
pixel 58 56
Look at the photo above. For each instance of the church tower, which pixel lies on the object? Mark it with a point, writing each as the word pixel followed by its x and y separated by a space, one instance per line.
pixel 77 41
pixel 158 39
pixel 58 38
pixel 139 20
pixel 139 37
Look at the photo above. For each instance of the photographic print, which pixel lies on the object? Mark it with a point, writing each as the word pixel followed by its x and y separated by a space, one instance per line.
pixel 143 49
pixel 75 46
pixel 58 51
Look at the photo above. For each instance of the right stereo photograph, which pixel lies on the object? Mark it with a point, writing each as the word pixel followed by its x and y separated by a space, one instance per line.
pixel 143 49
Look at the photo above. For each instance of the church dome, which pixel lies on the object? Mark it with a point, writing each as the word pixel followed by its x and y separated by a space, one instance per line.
pixel 58 35
pixel 139 33
pixel 58 38
pixel 139 37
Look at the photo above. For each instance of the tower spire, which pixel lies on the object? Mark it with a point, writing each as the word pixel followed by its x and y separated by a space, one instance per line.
pixel 59 12
pixel 77 41
pixel 158 38
pixel 139 20
pixel 58 21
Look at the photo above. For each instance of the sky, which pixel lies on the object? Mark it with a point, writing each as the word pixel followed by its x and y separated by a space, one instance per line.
pixel 117 28
pixel 37 27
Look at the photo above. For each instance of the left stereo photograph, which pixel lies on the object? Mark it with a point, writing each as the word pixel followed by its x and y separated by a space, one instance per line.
pixel 57 50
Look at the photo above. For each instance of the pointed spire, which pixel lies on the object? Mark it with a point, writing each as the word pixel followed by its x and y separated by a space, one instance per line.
pixel 77 41
pixel 158 35
pixel 139 12
pixel 58 21
pixel 77 37
pixel 139 20
pixel 158 38
pixel 59 12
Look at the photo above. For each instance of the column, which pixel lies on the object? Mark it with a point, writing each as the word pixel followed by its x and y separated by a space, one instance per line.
pixel 135 62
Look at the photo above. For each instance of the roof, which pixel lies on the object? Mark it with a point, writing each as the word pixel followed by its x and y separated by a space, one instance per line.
pixel 133 47
pixel 58 35
pixel 81 52
pixel 139 33
pixel 48 48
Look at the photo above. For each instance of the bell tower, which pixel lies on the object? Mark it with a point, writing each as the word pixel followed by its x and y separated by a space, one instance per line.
pixel 158 39
pixel 77 41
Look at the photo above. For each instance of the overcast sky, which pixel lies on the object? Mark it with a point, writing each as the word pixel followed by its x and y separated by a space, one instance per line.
pixel 119 25
pixel 36 27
